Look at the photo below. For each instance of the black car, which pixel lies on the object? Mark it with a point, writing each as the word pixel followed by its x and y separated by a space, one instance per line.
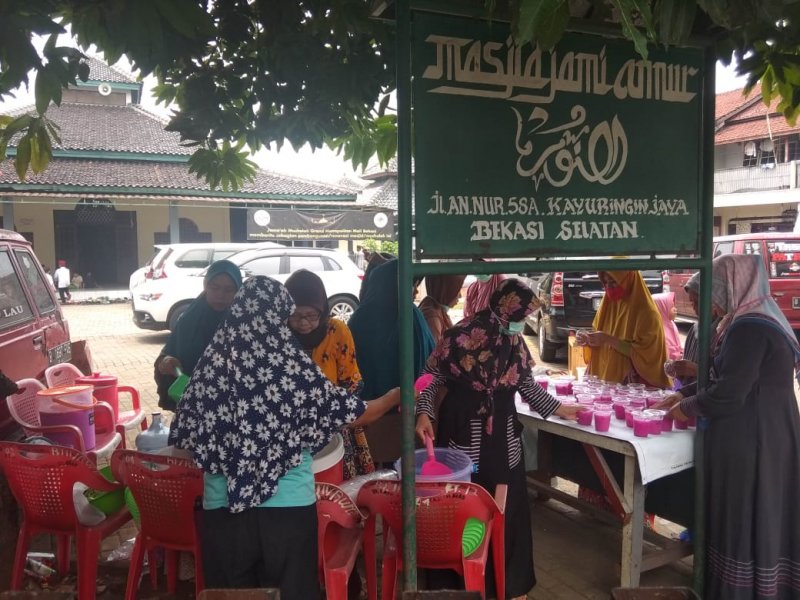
pixel 570 300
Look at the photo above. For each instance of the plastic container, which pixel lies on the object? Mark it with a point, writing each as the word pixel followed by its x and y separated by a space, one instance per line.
pixel 563 385
pixel 68 405
pixel 619 408
pixel 175 391
pixel 656 417
pixel 585 416
pixel 105 389
pixel 456 460
pixel 351 487
pixel 641 423
pixel 106 502
pixel 155 438
pixel 681 425
pixel 602 420
pixel 328 464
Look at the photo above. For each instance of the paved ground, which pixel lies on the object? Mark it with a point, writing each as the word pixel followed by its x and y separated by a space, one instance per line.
pixel 574 553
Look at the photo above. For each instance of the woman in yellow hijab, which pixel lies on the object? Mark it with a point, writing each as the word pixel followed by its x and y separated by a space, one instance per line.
pixel 627 344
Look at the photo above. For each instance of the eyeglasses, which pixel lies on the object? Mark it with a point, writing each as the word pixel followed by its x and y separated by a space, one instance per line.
pixel 310 318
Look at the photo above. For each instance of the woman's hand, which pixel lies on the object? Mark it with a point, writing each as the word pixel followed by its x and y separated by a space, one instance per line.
pixel 599 338
pixel 684 368
pixel 424 427
pixel 668 402
pixel 678 414
pixel 377 408
pixel 566 412
pixel 169 365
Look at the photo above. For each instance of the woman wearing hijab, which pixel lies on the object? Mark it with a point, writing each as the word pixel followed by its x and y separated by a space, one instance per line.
pixel 752 439
pixel 330 344
pixel 482 363
pixel 665 303
pixel 375 326
pixel 628 342
pixel 196 327
pixel 479 293
pixel 255 411
pixel 443 292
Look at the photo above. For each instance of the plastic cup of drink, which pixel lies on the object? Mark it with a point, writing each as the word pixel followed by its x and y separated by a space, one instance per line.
pixel 636 387
pixel 629 415
pixel 585 416
pixel 638 402
pixel 656 417
pixel 641 423
pixel 619 405
pixel 602 420
pixel 653 398
pixel 681 425
pixel 605 394
pixel 585 398
pixel 666 423
pixel 543 381
pixel 692 421
pixel 563 386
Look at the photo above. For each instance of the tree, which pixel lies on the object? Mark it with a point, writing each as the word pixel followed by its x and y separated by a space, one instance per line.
pixel 249 73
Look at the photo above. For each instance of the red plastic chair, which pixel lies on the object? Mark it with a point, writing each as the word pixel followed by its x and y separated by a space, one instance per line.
pixel 41 479
pixel 166 490
pixel 340 533
pixel 24 409
pixel 442 511
pixel 67 373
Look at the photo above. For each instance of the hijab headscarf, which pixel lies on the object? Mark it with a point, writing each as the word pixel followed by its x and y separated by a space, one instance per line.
pixel 376 259
pixel 665 302
pixel 256 400
pixel 635 320
pixel 739 286
pixel 307 289
pixel 479 294
pixel 375 327
pixel 693 284
pixel 442 291
pixel 199 322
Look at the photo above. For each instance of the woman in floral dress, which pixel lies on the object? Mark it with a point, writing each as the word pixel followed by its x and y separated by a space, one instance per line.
pixel 482 363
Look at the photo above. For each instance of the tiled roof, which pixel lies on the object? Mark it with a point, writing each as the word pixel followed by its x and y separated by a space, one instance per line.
pixel 111 129
pixel 749 118
pixel 144 176
pixel 100 71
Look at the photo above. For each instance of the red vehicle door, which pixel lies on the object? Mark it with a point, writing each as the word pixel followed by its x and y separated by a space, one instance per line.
pixel 782 257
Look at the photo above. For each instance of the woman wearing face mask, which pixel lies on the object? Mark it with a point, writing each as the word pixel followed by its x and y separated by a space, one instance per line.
pixel 479 292
pixel 443 294
pixel 482 363
pixel 627 344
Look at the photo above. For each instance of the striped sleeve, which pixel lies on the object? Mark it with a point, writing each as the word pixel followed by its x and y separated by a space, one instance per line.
pixel 424 405
pixel 537 398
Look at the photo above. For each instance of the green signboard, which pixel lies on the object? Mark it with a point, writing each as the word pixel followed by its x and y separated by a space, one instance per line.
pixel 586 149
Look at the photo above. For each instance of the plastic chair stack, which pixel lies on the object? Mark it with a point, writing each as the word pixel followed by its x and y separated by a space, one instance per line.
pixel 340 533
pixel 166 490
pixel 67 373
pixel 41 479
pixel 443 509
pixel 24 409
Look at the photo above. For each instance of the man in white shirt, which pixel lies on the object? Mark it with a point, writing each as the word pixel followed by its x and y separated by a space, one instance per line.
pixel 62 280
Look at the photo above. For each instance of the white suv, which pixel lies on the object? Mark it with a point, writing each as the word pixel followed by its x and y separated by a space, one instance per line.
pixel 158 303
pixel 173 260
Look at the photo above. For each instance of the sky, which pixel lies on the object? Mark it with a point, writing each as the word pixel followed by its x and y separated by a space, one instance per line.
pixel 322 164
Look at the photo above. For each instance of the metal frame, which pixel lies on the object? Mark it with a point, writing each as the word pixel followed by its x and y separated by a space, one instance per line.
pixel 408 268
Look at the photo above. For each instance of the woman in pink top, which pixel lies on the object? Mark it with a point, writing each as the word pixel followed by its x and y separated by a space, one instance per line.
pixel 665 302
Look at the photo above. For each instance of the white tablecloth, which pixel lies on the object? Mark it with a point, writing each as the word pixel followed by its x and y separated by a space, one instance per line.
pixel 657 455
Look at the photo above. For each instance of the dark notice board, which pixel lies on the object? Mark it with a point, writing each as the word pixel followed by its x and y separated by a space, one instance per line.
pixel 583 150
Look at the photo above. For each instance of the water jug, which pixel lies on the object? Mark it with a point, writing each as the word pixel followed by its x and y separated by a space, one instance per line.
pixel 155 438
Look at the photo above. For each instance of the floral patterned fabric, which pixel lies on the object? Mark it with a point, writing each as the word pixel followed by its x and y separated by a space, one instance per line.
pixel 256 400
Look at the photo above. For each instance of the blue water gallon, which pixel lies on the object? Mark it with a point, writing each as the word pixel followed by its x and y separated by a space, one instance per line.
pixel 155 438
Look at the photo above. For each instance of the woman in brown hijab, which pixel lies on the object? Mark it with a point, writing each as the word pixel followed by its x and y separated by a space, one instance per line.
pixel 443 294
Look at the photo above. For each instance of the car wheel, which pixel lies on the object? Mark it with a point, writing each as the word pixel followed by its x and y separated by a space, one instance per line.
pixel 547 349
pixel 175 315
pixel 342 307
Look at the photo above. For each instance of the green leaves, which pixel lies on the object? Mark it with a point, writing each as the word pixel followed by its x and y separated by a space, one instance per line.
pixel 33 142
pixel 367 138
pixel 674 20
pixel 631 11
pixel 227 167
pixel 542 21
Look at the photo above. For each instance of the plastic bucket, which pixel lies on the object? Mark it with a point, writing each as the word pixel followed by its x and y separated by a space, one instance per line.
pixel 68 405
pixel 458 461
pixel 105 389
pixel 328 464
